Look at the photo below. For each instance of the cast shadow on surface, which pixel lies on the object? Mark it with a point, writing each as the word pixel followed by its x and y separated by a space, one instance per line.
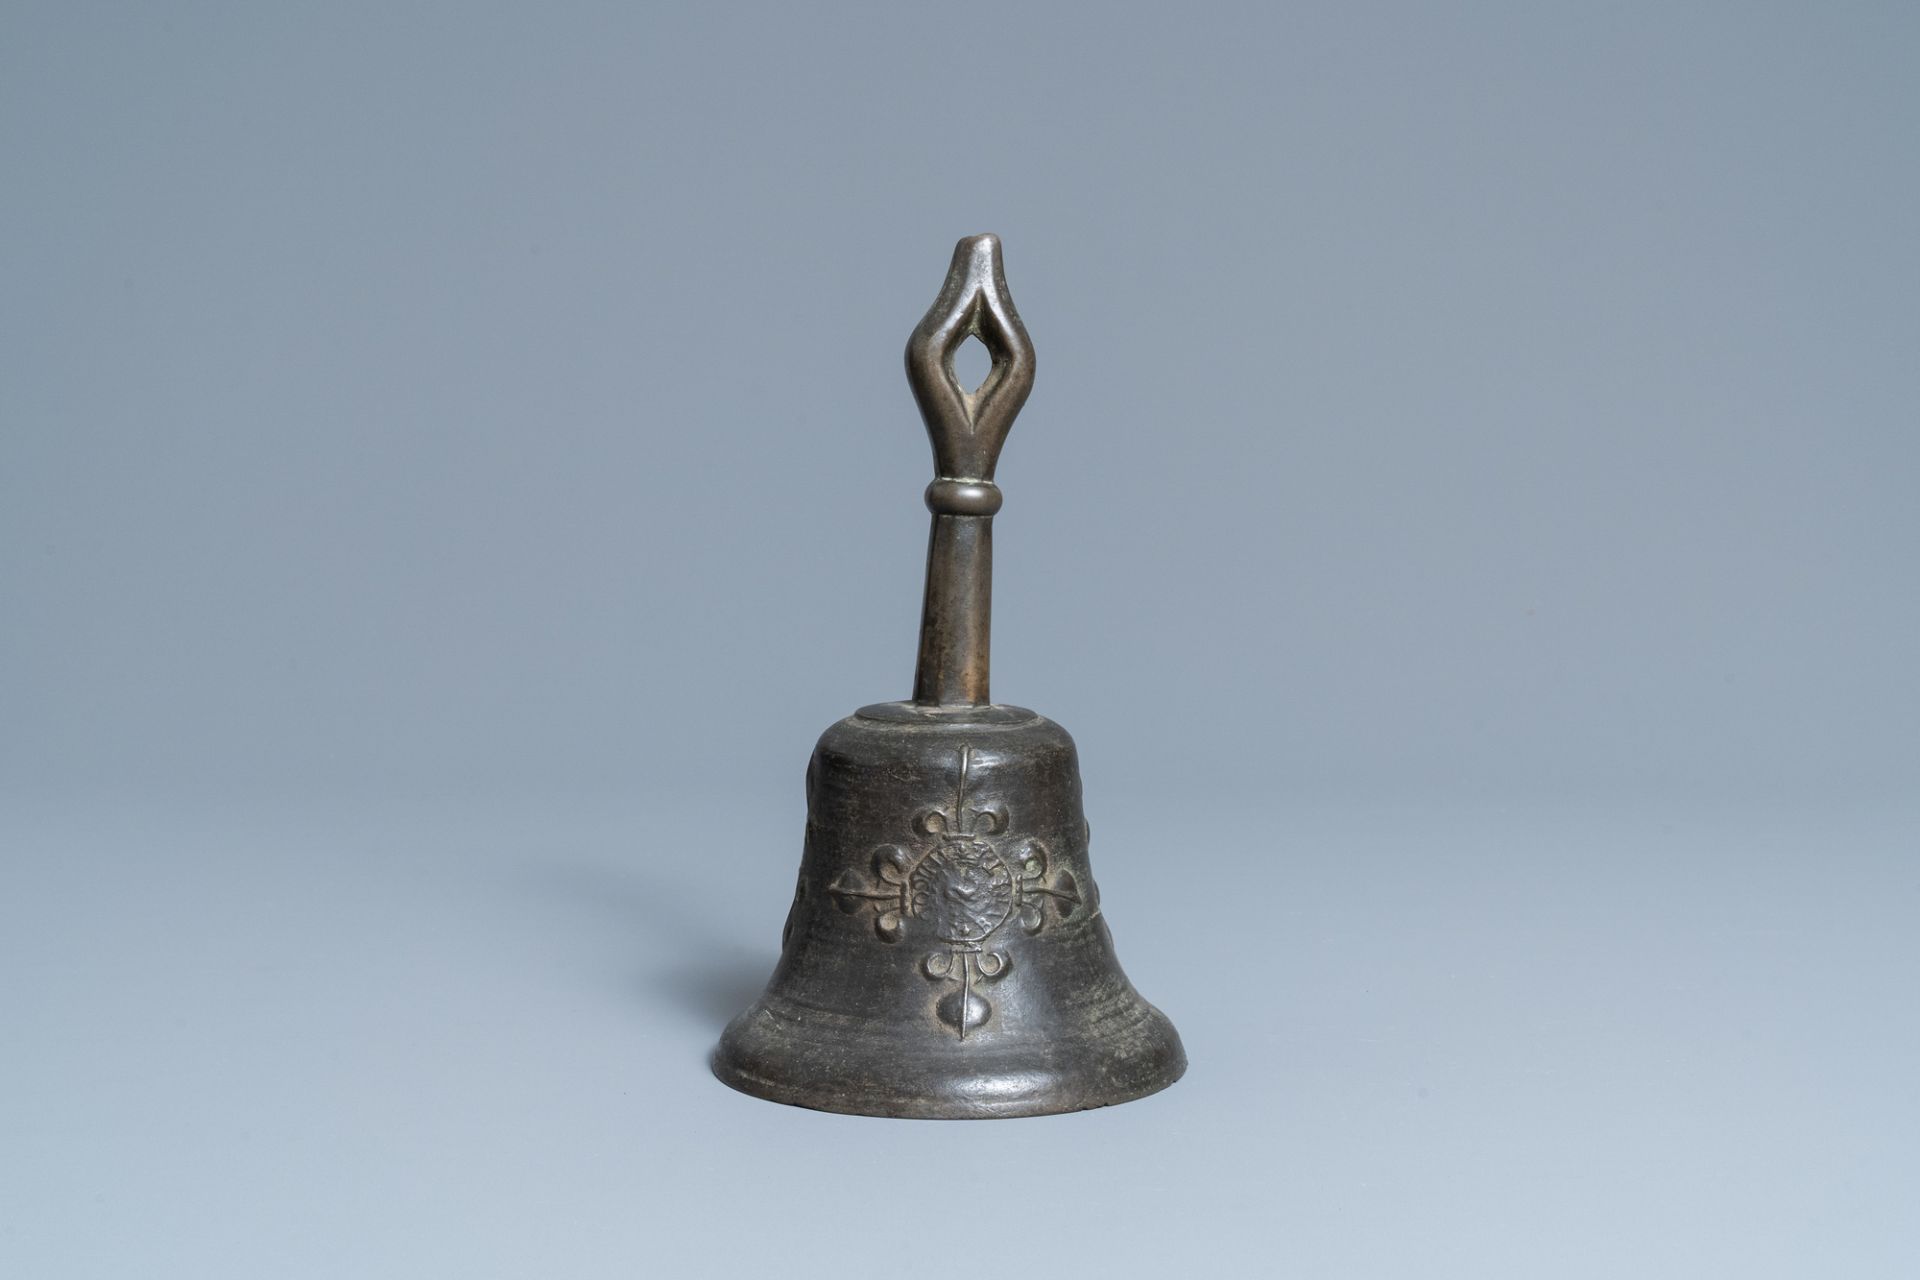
pixel 673 953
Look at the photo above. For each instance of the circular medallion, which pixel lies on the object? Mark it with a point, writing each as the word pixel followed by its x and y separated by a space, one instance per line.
pixel 963 887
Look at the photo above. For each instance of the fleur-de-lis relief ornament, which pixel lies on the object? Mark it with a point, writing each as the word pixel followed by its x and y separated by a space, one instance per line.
pixel 965 888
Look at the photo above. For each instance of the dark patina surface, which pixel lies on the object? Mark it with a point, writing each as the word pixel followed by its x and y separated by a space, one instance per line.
pixel 945 956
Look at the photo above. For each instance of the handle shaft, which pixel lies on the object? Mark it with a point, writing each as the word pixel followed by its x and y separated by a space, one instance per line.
pixel 956 621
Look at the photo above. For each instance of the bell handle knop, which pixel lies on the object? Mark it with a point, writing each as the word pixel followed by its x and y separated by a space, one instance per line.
pixel 967 428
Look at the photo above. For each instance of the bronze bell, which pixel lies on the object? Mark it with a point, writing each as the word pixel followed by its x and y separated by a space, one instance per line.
pixel 945 956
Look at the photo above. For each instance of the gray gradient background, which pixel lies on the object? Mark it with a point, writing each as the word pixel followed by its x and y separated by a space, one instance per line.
pixel 456 460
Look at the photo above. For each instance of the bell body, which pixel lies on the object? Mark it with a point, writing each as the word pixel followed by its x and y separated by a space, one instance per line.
pixel 946 956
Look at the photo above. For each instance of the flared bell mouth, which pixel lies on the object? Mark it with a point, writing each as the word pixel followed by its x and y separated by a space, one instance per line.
pixel 1136 1057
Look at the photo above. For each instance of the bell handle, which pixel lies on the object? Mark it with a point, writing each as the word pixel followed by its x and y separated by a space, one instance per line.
pixel 967 429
